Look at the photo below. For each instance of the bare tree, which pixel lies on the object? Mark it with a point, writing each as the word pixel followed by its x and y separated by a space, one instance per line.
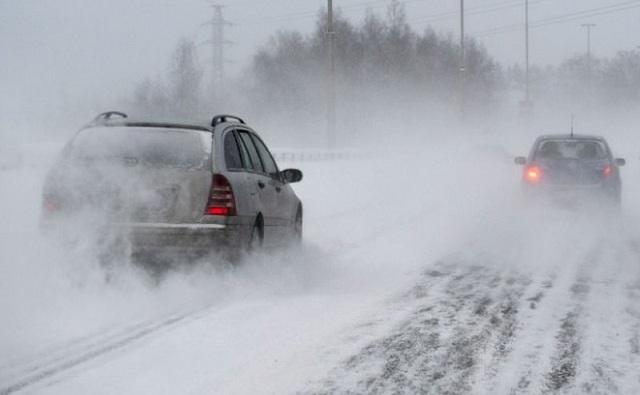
pixel 185 80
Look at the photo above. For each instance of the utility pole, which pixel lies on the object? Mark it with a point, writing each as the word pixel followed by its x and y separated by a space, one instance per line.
pixel 462 62
pixel 588 26
pixel 218 45
pixel 526 40
pixel 526 106
pixel 331 97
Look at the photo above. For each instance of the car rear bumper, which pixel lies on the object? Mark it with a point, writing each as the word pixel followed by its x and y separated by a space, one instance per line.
pixel 572 194
pixel 148 237
pixel 193 238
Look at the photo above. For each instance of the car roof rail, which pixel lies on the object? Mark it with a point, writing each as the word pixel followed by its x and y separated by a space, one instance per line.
pixel 106 116
pixel 218 119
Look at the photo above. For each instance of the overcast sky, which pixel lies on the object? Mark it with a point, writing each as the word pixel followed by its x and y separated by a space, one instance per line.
pixel 72 49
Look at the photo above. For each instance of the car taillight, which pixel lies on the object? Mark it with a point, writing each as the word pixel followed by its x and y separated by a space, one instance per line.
pixel 221 199
pixel 607 171
pixel 533 174
pixel 51 204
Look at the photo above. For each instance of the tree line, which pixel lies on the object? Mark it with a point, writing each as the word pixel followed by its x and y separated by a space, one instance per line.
pixel 379 61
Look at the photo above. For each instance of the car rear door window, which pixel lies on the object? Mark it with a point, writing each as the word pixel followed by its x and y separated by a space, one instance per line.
pixel 232 154
pixel 256 163
pixel 246 159
pixel 267 160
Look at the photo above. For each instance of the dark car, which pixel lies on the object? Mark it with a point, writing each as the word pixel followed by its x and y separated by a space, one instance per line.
pixel 571 169
pixel 170 186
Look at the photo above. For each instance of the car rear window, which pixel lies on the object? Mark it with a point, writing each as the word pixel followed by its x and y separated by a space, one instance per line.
pixel 152 146
pixel 571 149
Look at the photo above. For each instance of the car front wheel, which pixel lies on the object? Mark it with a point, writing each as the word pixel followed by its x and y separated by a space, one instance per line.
pixel 297 227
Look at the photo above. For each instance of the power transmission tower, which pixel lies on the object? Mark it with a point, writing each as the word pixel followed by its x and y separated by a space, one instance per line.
pixel 331 97
pixel 218 44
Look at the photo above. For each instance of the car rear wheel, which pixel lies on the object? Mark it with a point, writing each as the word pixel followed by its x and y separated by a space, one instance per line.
pixel 257 236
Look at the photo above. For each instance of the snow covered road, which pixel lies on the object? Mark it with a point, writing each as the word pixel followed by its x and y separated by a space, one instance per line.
pixel 477 327
pixel 410 281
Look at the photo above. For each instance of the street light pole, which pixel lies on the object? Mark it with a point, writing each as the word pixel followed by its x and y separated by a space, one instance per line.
pixel 331 100
pixel 462 61
pixel 588 26
pixel 526 105
pixel 526 39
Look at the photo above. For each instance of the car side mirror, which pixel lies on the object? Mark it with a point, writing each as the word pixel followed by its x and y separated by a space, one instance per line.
pixel 521 160
pixel 620 162
pixel 291 176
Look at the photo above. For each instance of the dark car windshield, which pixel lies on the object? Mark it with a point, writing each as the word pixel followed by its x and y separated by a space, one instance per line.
pixel 153 146
pixel 571 149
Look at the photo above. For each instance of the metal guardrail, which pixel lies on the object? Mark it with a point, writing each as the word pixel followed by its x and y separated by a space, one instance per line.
pixel 46 154
pixel 317 156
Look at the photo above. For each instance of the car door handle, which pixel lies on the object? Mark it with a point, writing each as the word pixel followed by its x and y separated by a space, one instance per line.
pixel 261 184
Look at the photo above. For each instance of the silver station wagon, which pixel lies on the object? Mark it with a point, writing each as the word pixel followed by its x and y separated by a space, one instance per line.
pixel 172 186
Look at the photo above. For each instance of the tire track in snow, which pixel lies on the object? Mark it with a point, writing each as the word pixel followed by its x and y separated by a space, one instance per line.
pixel 476 347
pixel 464 335
pixel 506 350
pixel 438 348
pixel 633 311
pixel 608 326
pixel 564 365
pixel 612 319
pixel 593 347
pixel 435 279
pixel 633 308
pixel 634 342
pixel 73 354
pixel 570 336
pixel 535 364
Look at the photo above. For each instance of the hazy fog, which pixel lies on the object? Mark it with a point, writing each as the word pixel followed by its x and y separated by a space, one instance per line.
pixel 427 187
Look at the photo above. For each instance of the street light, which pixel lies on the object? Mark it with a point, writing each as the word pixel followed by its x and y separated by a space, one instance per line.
pixel 331 97
pixel 588 26
pixel 526 41
pixel 462 61
pixel 526 106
